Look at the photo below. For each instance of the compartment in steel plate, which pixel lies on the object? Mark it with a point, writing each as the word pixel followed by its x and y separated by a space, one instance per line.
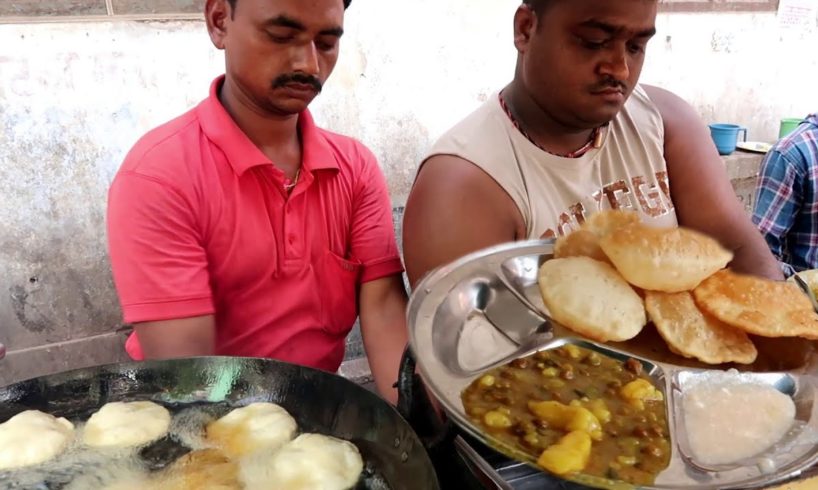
pixel 795 451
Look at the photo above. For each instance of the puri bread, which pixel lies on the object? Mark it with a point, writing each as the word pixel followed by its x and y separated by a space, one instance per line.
pixel 591 298
pixel 585 241
pixel 252 428
pixel 609 221
pixel 581 243
pixel 664 259
pixel 126 424
pixel 33 437
pixel 205 469
pixel 309 462
pixel 132 484
pixel 111 474
pixel 758 306
pixel 693 334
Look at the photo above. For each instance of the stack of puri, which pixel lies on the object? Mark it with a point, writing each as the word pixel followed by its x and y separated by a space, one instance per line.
pixel 614 274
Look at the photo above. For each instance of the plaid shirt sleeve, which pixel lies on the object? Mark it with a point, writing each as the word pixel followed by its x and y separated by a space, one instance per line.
pixel 778 199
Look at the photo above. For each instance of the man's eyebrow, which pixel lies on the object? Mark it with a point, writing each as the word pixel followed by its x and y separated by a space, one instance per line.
pixel 290 23
pixel 612 29
pixel 335 31
pixel 284 21
pixel 647 32
pixel 602 26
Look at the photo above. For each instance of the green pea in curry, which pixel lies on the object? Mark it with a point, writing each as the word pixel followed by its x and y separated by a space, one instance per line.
pixel 574 410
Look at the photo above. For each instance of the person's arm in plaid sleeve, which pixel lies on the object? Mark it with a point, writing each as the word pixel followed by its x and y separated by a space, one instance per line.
pixel 778 200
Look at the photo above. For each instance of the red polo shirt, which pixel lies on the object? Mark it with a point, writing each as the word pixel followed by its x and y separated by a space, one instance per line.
pixel 199 223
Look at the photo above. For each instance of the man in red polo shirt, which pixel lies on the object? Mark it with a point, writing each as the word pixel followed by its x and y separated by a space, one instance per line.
pixel 241 228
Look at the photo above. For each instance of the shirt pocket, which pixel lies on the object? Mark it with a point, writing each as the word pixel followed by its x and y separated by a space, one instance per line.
pixel 339 297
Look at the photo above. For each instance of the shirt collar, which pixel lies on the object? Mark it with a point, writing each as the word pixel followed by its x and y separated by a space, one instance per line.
pixel 242 153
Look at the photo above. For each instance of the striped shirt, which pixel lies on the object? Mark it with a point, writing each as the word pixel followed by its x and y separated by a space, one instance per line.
pixel 786 206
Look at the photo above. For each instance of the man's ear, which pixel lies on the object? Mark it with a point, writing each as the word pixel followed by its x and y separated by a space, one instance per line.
pixel 525 25
pixel 217 15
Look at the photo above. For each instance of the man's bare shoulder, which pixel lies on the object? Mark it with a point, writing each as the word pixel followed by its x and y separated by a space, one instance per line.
pixel 454 208
pixel 677 113
pixel 450 177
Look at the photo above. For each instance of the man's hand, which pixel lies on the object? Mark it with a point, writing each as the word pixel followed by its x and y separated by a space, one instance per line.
pixel 185 337
pixel 701 191
pixel 383 327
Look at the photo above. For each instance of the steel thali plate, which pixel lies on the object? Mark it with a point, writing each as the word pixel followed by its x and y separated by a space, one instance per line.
pixel 471 315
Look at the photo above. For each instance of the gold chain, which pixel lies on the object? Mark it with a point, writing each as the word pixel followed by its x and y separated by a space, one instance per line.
pixel 289 187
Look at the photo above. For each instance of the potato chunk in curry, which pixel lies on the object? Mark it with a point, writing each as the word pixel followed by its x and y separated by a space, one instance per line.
pixel 639 391
pixel 567 417
pixel 569 455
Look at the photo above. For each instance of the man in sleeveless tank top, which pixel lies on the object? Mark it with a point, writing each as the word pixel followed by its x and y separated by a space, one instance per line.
pixel 572 134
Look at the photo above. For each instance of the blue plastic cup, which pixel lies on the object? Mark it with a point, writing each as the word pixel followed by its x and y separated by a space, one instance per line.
pixel 725 136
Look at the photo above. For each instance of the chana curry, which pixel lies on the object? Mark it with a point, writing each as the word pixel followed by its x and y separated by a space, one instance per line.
pixel 574 410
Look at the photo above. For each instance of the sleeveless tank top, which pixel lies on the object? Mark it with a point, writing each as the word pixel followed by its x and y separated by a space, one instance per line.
pixel 555 194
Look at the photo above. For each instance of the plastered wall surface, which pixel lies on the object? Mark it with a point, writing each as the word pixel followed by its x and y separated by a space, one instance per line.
pixel 75 96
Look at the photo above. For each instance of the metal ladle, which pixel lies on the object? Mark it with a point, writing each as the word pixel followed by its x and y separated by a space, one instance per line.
pixel 807 290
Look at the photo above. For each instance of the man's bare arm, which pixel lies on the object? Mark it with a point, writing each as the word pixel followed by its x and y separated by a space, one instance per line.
pixel 454 209
pixel 701 190
pixel 383 327
pixel 185 337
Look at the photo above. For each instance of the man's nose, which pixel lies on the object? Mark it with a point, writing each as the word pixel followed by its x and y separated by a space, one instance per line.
pixel 616 64
pixel 305 59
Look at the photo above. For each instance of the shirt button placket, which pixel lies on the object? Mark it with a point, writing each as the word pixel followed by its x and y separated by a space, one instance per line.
pixel 290 237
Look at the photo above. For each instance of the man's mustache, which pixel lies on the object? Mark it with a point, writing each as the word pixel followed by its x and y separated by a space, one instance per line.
pixel 289 78
pixel 610 83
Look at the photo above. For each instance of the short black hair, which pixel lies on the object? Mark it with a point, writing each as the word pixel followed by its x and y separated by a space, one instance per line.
pixel 233 3
pixel 538 6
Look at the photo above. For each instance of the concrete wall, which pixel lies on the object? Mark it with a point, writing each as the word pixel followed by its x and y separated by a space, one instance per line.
pixel 738 68
pixel 75 96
